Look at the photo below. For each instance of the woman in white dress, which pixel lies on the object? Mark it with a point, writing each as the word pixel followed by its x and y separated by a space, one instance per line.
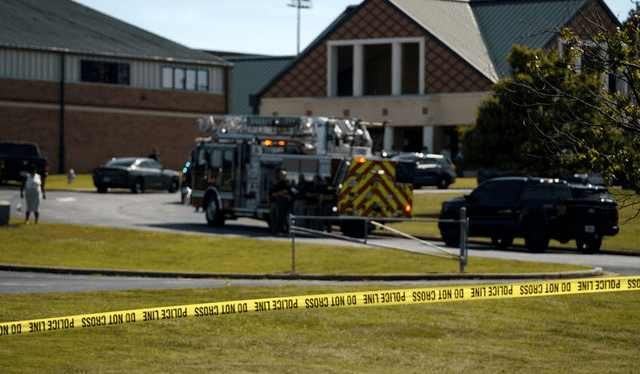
pixel 33 189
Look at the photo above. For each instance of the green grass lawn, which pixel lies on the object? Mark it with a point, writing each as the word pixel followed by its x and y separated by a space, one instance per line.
pixel 554 334
pixel 597 333
pixel 85 181
pixel 61 245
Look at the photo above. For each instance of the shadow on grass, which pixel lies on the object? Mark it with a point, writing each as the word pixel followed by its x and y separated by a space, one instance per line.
pixel 236 228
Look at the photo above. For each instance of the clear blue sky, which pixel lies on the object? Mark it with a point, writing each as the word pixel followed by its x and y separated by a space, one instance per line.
pixel 249 26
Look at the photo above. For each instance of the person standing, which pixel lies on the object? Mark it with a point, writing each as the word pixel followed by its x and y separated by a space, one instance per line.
pixel 299 200
pixel 281 199
pixel 155 154
pixel 32 189
pixel 314 202
pixel 328 202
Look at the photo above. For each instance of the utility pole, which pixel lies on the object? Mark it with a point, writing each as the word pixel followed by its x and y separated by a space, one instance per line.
pixel 300 4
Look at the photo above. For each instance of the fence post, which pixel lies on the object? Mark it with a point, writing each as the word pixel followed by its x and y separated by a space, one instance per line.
pixel 292 221
pixel 464 224
pixel 366 229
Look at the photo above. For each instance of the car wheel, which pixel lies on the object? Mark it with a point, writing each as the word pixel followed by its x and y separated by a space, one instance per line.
pixel 138 186
pixel 589 244
pixel 213 214
pixel 443 184
pixel 450 232
pixel 502 242
pixel 536 239
pixel 102 189
pixel 173 187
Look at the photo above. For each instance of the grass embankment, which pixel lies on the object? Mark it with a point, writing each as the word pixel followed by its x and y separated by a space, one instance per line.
pixel 596 333
pixel 60 245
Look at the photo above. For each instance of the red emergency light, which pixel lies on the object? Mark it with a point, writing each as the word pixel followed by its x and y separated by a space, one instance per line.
pixel 279 143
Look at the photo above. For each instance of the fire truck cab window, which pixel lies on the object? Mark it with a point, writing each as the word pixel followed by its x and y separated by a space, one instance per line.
pixel 227 161
pixel 215 159
pixel 221 159
pixel 201 159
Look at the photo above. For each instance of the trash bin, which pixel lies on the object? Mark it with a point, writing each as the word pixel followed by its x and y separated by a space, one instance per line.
pixel 5 212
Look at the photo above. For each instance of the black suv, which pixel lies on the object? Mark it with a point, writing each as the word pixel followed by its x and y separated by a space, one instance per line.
pixel 536 209
pixel 430 169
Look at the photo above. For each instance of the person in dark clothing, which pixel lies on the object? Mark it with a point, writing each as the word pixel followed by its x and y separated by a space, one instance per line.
pixel 281 202
pixel 328 202
pixel 300 201
pixel 314 202
pixel 155 154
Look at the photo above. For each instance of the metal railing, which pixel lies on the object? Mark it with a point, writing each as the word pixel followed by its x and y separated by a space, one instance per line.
pixel 446 254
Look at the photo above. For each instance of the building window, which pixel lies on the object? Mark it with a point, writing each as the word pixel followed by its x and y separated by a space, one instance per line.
pixel 104 72
pixel 178 79
pixel 345 71
pixel 370 67
pixel 377 69
pixel 185 79
pixel 410 68
pixel 190 79
pixel 203 80
pixel 167 78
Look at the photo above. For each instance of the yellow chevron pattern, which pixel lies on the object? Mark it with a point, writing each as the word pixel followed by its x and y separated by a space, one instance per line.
pixel 370 190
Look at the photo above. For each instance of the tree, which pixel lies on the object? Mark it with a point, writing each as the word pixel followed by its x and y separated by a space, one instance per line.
pixel 567 109
pixel 512 128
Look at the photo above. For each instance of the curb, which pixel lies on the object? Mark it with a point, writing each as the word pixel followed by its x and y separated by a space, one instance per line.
pixel 596 271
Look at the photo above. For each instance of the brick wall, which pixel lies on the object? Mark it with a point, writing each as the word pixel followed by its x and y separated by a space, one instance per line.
pixel 103 121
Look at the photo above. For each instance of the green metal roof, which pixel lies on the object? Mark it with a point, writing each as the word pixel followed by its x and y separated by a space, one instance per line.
pixel 63 25
pixel 504 23
pixel 250 74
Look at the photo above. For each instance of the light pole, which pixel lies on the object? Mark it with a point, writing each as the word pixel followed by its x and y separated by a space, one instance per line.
pixel 300 4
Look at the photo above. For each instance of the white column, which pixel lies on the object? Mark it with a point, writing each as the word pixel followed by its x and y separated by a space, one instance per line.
pixel 358 64
pixel 427 138
pixel 396 68
pixel 332 71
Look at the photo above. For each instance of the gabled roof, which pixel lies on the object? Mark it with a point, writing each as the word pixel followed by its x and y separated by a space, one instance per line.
pixel 452 22
pixel 63 25
pixel 351 9
pixel 250 74
pixel 480 32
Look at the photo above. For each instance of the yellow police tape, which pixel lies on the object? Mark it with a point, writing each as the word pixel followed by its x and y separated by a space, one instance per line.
pixel 336 300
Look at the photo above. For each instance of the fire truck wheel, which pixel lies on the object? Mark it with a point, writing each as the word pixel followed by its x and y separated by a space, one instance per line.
pixel 213 214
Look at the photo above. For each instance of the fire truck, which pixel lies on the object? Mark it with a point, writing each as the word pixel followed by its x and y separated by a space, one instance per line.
pixel 233 170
